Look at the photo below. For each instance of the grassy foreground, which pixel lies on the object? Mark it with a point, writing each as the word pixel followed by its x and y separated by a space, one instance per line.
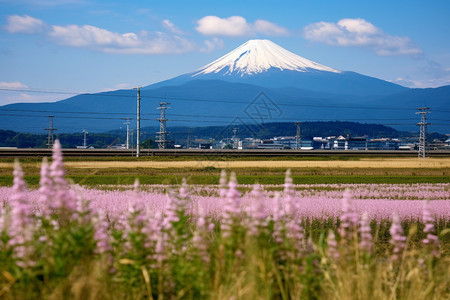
pixel 59 245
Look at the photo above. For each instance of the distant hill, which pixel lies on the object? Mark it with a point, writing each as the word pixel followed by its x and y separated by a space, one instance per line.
pixel 308 131
pixel 179 134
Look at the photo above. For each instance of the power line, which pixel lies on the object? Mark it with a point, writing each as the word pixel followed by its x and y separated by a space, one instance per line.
pixel 69 117
pixel 104 94
pixel 196 116
pixel 66 112
pixel 215 122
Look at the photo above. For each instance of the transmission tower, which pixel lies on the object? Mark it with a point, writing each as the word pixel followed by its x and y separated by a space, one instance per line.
pixel 138 121
pixel 235 138
pixel 423 111
pixel 85 138
pixel 162 138
pixel 50 137
pixel 188 141
pixel 127 143
pixel 298 139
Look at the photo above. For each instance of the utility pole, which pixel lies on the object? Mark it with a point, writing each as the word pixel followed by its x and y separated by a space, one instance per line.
pixel 188 141
pixel 128 133
pixel 298 139
pixel 50 137
pixel 423 111
pixel 138 118
pixel 84 138
pixel 162 139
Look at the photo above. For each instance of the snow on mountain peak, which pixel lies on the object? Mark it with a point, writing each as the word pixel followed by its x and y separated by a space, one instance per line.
pixel 257 56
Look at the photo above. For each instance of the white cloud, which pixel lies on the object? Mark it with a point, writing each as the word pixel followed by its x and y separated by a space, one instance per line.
pixel 211 45
pixel 430 74
pixel 268 28
pixel 24 24
pixel 232 26
pixel 119 86
pixel 237 26
pixel 122 86
pixel 16 97
pixel 12 85
pixel 167 24
pixel 102 40
pixel 360 33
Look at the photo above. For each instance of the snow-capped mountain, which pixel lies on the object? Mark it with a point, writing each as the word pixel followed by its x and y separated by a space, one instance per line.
pixel 258 56
pixel 266 64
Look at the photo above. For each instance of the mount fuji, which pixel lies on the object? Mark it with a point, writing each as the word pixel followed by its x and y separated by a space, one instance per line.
pixel 258 82
pixel 264 63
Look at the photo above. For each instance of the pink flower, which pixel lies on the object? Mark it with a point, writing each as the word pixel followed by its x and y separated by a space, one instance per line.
pixel 288 194
pixel 431 238
pixel 398 240
pixel 200 238
pixel 45 188
pixel 332 249
pixel 223 184
pixel 101 235
pixel 365 233
pixel 278 218
pixel 21 210
pixel 184 190
pixel 256 212
pixel 63 198
pixel 349 218
pixel 232 208
pixel 21 227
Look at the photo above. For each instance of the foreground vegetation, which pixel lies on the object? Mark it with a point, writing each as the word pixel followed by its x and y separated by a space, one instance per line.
pixel 61 245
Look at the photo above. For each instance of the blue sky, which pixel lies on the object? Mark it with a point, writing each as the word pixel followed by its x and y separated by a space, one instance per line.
pixel 93 45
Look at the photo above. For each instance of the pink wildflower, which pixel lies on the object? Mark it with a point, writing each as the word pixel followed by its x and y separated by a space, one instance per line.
pixel 232 207
pixel 332 249
pixel 223 184
pixel 349 218
pixel 63 198
pixel 20 229
pixel 365 233
pixel 21 210
pixel 431 238
pixel 45 188
pixel 101 233
pixel 398 240
pixel 200 239
pixel 288 193
pixel 278 218
pixel 256 211
pixel 184 190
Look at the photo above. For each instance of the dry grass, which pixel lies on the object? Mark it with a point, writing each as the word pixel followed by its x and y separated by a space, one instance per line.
pixel 382 163
pixel 362 167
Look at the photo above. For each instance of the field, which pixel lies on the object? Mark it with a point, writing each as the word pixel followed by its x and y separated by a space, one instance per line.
pixel 197 170
pixel 337 228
